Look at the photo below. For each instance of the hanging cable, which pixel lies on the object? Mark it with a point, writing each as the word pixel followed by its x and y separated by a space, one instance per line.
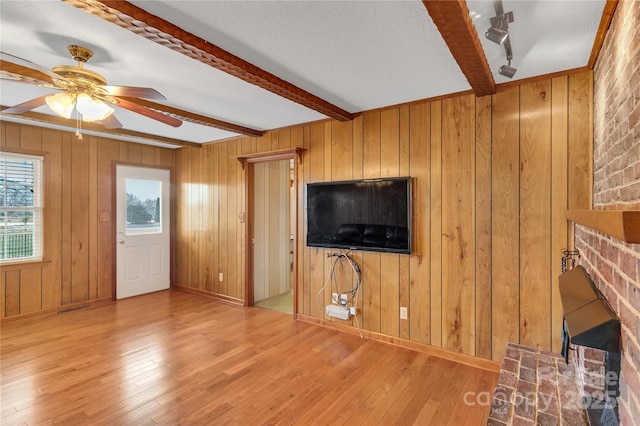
pixel 338 259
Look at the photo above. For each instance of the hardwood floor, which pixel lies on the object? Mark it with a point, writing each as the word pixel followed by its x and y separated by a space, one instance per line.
pixel 179 358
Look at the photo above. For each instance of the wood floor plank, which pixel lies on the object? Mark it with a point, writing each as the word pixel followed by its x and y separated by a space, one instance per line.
pixel 380 400
pixel 392 396
pixel 177 358
pixel 434 385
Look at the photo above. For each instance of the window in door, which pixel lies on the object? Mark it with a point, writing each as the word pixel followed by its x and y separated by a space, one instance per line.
pixel 144 198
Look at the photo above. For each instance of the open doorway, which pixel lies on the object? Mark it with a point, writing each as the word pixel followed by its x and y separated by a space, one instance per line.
pixel 273 235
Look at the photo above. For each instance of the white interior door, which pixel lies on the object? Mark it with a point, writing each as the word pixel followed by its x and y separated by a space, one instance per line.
pixel 143 230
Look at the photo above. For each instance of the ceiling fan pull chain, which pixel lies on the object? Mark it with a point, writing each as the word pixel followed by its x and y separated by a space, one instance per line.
pixel 78 126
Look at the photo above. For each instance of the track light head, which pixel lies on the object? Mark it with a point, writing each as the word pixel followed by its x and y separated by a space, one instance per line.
pixel 507 70
pixel 496 35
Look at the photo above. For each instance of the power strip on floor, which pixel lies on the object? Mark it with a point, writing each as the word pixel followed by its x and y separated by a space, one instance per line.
pixel 337 311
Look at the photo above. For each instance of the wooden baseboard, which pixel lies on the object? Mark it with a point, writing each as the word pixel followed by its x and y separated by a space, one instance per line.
pixel 60 309
pixel 470 360
pixel 224 298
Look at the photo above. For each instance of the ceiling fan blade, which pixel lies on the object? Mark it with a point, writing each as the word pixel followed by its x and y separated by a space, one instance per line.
pixel 147 112
pixel 15 65
pixel 111 122
pixel 134 92
pixel 27 106
pixel 16 78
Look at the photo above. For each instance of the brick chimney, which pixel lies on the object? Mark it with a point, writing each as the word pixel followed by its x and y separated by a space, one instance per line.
pixel 613 265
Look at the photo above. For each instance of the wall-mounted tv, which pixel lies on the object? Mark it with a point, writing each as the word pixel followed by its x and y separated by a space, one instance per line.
pixel 372 214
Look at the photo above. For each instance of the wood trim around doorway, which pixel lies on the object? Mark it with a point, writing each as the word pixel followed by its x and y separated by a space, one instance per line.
pixel 248 163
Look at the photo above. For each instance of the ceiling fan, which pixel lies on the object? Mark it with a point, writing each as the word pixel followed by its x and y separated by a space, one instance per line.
pixel 82 90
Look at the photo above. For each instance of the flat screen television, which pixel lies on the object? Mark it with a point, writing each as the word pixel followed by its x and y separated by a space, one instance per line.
pixel 371 214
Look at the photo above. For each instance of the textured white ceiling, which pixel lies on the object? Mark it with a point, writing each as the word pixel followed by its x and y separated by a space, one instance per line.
pixel 358 55
pixel 349 53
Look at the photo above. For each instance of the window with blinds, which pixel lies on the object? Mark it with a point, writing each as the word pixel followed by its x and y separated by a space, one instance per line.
pixel 20 207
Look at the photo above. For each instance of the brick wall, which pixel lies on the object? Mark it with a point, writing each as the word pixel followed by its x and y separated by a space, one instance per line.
pixel 613 265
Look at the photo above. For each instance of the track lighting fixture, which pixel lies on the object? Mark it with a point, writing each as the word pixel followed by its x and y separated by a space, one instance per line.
pixel 499 34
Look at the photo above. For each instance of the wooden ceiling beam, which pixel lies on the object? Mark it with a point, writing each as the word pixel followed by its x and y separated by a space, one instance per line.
pixel 453 21
pixel 94 127
pixel 195 118
pixel 153 28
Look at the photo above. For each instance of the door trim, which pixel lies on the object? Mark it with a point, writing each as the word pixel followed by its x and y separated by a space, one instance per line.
pixel 247 165
pixel 114 224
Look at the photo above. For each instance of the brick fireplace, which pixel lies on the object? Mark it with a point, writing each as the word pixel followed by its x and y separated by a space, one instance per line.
pixel 613 265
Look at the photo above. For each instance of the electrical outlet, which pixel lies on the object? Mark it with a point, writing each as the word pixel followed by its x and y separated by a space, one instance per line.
pixel 220 277
pixel 334 298
pixel 404 313
pixel 344 298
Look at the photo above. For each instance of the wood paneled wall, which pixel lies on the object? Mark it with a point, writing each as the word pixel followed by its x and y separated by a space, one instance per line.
pixel 493 177
pixel 77 218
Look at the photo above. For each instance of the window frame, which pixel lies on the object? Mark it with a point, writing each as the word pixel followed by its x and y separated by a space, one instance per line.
pixel 37 209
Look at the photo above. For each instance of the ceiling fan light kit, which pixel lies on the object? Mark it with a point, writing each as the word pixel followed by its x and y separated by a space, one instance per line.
pixel 499 34
pixel 61 103
pixel 92 109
